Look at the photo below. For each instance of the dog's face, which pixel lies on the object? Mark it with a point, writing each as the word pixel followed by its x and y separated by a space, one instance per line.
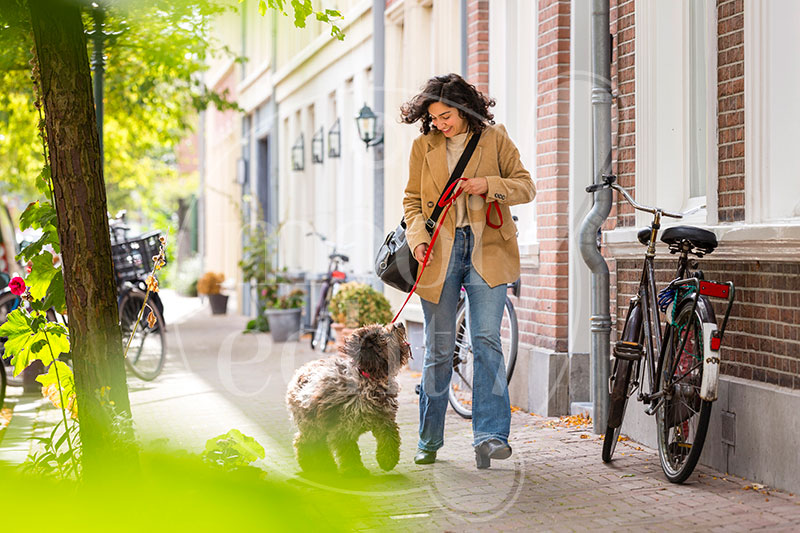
pixel 380 351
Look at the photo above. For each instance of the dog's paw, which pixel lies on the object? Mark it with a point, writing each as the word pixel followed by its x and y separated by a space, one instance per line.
pixel 388 459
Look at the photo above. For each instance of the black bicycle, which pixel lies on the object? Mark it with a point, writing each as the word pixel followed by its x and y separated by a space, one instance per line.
pixel 681 361
pixel 133 262
pixel 321 321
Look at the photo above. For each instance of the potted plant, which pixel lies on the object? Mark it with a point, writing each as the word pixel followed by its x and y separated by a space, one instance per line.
pixel 210 284
pixel 283 314
pixel 357 304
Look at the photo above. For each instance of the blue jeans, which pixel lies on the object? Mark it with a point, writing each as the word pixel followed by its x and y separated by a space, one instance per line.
pixel 491 409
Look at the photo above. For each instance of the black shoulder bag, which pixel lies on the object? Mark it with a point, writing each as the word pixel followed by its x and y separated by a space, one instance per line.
pixel 395 264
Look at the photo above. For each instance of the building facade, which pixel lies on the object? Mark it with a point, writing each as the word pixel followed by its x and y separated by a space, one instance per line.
pixel 703 117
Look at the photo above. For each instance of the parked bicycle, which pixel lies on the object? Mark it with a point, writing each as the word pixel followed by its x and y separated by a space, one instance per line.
pixel 682 365
pixel 460 392
pixel 321 321
pixel 133 262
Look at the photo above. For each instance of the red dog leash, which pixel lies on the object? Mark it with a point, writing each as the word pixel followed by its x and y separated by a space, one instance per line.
pixel 446 201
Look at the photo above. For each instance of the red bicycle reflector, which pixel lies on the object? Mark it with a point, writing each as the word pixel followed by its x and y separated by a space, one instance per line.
pixel 337 274
pixel 719 290
pixel 716 342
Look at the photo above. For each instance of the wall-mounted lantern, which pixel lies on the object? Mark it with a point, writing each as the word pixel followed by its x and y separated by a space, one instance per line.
pixel 298 154
pixel 335 140
pixel 367 124
pixel 317 146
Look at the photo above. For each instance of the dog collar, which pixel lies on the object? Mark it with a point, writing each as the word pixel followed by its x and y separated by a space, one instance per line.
pixel 365 374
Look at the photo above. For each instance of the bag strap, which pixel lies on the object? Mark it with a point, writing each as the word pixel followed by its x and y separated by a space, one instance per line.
pixel 430 224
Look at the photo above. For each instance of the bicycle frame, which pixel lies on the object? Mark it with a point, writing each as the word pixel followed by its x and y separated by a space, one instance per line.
pixel 651 330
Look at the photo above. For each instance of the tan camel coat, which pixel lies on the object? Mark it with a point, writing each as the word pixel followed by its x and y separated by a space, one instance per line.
pixel 495 254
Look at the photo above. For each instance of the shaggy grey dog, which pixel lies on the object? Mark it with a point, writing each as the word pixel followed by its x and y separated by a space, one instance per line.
pixel 335 400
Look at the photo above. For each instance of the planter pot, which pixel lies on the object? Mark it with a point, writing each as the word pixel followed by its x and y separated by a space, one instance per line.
pixel 341 333
pixel 284 324
pixel 219 303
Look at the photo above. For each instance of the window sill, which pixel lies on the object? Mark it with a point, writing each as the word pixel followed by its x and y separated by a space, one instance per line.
pixel 778 241
pixel 529 255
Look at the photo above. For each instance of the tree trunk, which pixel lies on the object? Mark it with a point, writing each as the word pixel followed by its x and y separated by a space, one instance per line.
pixel 80 200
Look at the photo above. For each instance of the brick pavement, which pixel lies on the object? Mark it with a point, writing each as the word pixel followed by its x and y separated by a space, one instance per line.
pixel 218 378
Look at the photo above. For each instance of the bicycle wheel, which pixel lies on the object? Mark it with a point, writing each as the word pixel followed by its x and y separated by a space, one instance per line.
pixel 620 384
pixel 322 334
pixel 682 418
pixel 460 392
pixel 148 350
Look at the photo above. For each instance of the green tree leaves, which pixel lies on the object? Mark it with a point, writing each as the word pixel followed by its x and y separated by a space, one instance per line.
pixel 32 337
pixel 303 9
pixel 59 385
pixel 45 281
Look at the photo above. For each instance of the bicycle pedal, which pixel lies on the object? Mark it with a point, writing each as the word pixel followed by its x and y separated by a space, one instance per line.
pixel 631 351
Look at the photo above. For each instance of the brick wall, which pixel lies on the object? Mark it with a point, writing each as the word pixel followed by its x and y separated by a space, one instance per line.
pixel 730 119
pixel 762 341
pixel 543 304
pixel 623 86
pixel 623 125
pixel 478 44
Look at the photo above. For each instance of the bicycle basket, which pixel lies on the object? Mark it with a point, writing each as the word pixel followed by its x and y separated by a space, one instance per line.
pixel 133 259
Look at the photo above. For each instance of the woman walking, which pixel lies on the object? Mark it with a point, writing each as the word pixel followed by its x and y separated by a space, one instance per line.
pixel 476 249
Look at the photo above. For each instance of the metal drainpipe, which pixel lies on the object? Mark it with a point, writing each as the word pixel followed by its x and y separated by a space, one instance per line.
pixel 601 122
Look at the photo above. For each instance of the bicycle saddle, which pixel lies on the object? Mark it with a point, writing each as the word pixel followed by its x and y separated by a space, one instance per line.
pixel 703 241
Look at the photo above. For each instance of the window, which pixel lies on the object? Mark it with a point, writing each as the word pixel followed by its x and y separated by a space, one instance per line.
pixel 676 141
pixel 512 82
pixel 772 111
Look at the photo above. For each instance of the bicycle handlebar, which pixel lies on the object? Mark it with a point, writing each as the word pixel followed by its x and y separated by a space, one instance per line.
pixel 608 183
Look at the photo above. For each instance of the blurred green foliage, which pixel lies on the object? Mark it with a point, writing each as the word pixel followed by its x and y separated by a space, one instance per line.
pixel 171 493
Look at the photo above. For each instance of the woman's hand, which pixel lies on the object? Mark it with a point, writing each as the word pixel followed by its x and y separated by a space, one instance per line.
pixel 475 186
pixel 419 252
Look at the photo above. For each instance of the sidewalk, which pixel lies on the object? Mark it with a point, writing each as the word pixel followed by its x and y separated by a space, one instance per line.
pixel 217 379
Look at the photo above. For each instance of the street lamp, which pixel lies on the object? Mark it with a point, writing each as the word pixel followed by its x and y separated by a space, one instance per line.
pixel 317 146
pixel 298 154
pixel 367 124
pixel 335 140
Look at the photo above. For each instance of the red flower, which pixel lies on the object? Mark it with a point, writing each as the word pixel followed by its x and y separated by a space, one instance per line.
pixel 17 286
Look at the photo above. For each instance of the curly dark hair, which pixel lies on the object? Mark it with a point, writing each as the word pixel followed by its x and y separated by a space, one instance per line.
pixel 454 91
